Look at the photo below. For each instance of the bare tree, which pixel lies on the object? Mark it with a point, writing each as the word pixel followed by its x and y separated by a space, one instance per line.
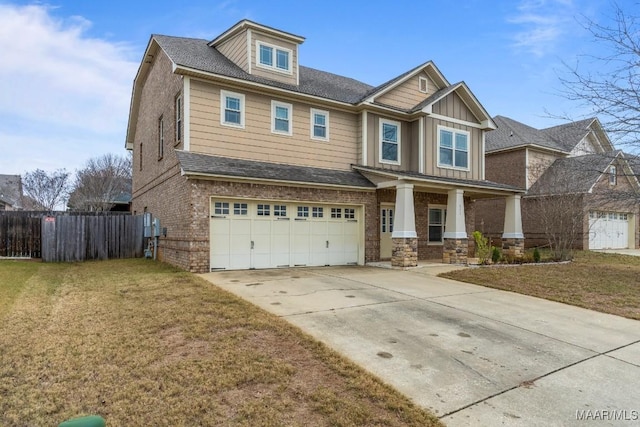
pixel 612 90
pixel 47 189
pixel 101 182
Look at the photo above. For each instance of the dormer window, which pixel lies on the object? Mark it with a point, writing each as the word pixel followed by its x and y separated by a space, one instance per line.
pixel 613 178
pixel 273 57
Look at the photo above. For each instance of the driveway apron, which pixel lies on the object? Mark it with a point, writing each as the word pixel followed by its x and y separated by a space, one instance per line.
pixel 470 354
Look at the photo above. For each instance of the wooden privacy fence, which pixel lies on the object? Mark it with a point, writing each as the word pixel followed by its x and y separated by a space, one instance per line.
pixel 79 238
pixel 64 236
pixel 20 235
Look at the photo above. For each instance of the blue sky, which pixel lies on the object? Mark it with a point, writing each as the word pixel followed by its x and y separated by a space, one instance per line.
pixel 67 66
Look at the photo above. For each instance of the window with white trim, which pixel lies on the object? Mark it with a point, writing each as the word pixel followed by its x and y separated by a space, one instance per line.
pixel 453 148
pixel 613 177
pixel 389 141
pixel 178 106
pixel 303 211
pixel 264 210
pixel 281 120
pixel 221 208
pixel 279 210
pixel 240 209
pixel 319 124
pixel 274 57
pixel 423 84
pixel 437 218
pixel 231 109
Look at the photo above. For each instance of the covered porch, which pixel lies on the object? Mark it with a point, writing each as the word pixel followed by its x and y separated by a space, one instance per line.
pixel 425 217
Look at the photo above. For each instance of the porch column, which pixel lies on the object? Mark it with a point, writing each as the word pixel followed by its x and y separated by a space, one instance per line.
pixel 513 237
pixel 456 242
pixel 404 237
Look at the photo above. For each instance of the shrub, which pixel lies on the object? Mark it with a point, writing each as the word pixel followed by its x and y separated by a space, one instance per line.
pixel 536 255
pixel 495 254
pixel 482 247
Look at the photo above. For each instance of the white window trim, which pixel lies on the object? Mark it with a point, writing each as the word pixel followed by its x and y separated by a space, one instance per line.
pixel 179 120
pixel 426 84
pixel 613 175
pixel 381 123
pixel 312 124
pixel 160 137
pixel 454 131
pixel 275 104
pixel 274 67
pixel 443 208
pixel 223 107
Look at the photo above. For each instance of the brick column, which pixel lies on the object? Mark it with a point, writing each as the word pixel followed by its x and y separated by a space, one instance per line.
pixel 455 251
pixel 404 252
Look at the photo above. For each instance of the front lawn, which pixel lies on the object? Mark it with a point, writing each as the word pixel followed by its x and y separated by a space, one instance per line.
pixel 603 282
pixel 141 343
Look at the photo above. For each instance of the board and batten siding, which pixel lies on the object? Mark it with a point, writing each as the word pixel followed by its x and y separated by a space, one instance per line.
pixel 407 95
pixel 257 142
pixel 267 73
pixel 453 106
pixel 235 49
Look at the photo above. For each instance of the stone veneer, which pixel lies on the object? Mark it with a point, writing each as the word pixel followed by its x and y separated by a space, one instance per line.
pixel 513 248
pixel 455 251
pixel 404 252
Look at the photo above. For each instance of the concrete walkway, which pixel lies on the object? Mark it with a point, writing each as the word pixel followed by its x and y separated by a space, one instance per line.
pixel 472 355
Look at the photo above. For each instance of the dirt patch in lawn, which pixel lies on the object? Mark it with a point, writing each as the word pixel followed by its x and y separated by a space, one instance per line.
pixel 141 343
pixel 609 283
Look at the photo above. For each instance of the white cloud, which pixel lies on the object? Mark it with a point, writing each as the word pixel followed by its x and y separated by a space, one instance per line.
pixel 542 24
pixel 60 85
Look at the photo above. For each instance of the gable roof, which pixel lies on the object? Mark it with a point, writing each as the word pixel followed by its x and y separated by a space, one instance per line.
pixel 428 67
pixel 213 166
pixel 196 54
pixel 563 138
pixel 11 190
pixel 570 175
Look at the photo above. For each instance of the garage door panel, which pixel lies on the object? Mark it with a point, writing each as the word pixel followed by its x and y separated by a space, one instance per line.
pixel 261 243
pixel 301 241
pixel 319 245
pixel 608 230
pixel 281 243
pixel 220 240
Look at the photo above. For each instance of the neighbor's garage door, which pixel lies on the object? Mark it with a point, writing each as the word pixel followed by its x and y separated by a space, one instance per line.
pixel 608 230
pixel 267 234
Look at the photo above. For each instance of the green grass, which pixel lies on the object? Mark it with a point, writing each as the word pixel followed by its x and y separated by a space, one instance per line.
pixel 609 283
pixel 141 343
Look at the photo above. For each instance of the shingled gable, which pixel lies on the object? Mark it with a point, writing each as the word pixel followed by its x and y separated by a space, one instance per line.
pixel 512 134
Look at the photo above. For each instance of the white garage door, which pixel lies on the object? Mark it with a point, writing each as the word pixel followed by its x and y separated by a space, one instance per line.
pixel 608 230
pixel 248 234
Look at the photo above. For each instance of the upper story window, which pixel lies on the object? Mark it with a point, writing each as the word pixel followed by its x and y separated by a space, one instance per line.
pixel 178 119
pixel 231 109
pixel 319 124
pixel 281 113
pixel 160 137
pixel 453 148
pixel 613 177
pixel 273 57
pixel 389 141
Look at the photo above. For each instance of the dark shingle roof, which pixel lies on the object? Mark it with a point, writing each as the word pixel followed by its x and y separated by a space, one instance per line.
pixel 572 174
pixel 511 133
pixel 457 181
pixel 11 190
pixel 194 163
pixel 198 55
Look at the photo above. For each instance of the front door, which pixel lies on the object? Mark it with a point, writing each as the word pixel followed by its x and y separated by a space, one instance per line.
pixel 386 228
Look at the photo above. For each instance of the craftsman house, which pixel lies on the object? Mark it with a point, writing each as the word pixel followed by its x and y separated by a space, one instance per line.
pixel 571 168
pixel 251 160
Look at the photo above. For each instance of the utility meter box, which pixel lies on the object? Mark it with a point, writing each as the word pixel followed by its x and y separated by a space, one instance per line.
pixel 157 229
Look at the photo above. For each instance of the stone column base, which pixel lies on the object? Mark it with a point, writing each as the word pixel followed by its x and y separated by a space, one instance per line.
pixel 513 248
pixel 455 251
pixel 404 252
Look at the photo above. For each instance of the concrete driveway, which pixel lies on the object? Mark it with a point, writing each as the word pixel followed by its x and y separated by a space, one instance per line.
pixel 472 355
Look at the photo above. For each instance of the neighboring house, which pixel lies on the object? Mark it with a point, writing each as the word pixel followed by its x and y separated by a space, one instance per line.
pixel 251 160
pixel 575 164
pixel 10 193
